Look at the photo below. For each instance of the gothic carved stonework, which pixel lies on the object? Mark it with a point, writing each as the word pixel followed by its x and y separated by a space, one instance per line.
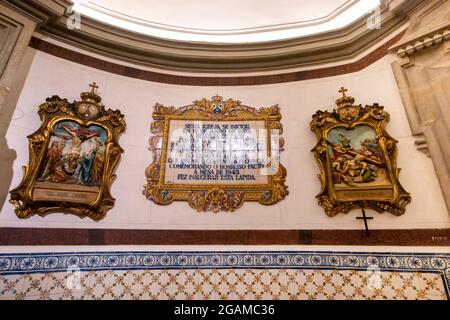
pixel 422 71
pixel 216 154
pixel 73 156
pixel 424 43
pixel 429 27
pixel 357 159
pixel 16 30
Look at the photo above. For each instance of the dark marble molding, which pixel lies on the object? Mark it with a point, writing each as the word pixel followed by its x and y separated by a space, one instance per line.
pixel 136 73
pixel 43 237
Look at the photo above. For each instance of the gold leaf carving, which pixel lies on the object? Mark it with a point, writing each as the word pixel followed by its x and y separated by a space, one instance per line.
pixel 55 110
pixel 354 191
pixel 222 197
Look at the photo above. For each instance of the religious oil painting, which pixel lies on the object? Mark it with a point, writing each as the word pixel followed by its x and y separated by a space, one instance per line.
pixel 75 158
pixel 357 159
pixel 216 154
pixel 72 159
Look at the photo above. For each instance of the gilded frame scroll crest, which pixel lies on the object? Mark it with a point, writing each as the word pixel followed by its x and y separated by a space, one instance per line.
pixel 357 159
pixel 71 172
pixel 214 197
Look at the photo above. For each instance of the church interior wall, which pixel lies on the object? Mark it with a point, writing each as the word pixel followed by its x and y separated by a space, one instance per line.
pixel 298 101
pixel 290 250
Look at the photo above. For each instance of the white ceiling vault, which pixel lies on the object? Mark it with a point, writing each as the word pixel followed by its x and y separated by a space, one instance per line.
pixel 229 21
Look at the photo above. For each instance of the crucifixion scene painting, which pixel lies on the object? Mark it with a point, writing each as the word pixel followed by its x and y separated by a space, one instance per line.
pixel 75 155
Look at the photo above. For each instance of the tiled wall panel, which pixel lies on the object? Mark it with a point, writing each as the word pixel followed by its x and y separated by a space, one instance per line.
pixel 224 275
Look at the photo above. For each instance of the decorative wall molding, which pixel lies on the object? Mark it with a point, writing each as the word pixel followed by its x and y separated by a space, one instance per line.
pixel 429 26
pixel 18 263
pixel 424 43
pixel 136 73
pixel 9 32
pixel 334 46
pixel 58 237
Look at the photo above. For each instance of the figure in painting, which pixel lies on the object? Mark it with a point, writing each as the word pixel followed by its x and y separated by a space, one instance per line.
pixel 345 142
pixel 52 159
pixel 78 135
pixel 99 161
pixel 75 155
pixel 352 165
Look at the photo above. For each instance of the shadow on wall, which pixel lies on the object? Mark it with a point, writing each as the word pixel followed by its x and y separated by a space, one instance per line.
pixel 10 90
pixel 7 157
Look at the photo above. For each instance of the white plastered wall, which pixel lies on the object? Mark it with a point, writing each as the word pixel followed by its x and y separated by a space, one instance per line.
pixel 298 101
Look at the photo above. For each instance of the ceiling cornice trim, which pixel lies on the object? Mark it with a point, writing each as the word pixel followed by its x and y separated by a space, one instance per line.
pixel 166 55
pixel 146 75
pixel 322 19
pixel 101 13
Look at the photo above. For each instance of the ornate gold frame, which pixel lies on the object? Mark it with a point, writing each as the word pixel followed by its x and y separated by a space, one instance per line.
pixel 213 197
pixel 51 112
pixel 349 116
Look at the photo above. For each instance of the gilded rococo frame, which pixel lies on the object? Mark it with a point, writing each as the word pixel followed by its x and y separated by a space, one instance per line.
pixel 85 121
pixel 213 197
pixel 348 174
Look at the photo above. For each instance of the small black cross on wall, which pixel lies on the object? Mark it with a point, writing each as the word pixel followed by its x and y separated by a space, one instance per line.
pixel 365 218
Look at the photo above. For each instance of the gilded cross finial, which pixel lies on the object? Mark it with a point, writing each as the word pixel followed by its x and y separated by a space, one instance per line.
pixel 344 101
pixel 91 96
pixel 343 91
pixel 94 87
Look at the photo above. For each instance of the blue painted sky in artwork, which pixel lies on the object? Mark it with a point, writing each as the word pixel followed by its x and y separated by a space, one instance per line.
pixel 58 130
pixel 360 133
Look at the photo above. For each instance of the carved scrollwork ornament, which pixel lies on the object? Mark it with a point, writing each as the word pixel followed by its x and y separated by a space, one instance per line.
pixel 73 157
pixel 357 159
pixel 217 195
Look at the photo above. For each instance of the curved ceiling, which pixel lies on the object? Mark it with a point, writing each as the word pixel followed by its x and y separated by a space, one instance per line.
pixel 228 22
pixel 230 37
